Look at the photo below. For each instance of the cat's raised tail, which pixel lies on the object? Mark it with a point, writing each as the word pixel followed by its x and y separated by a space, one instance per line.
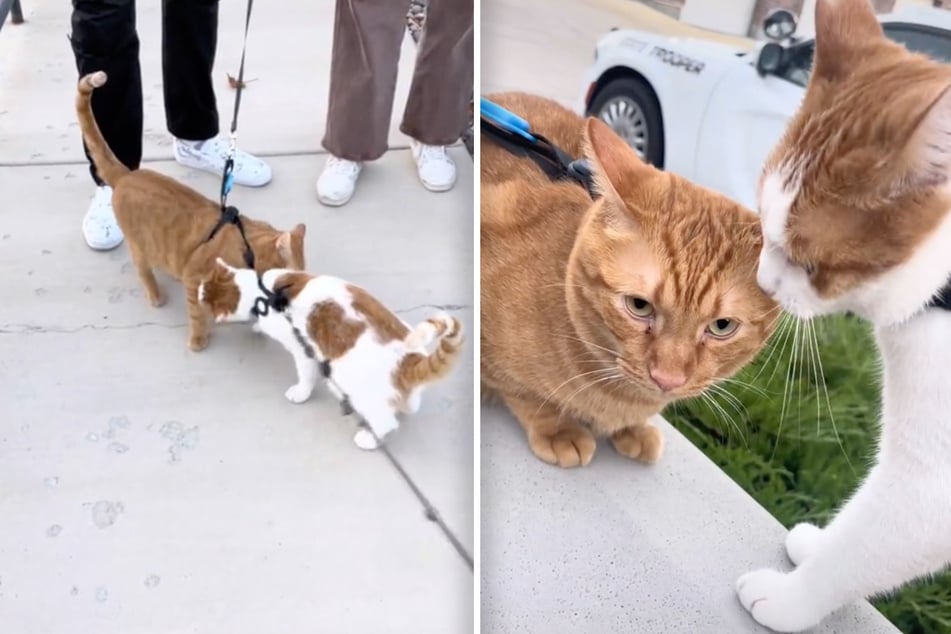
pixel 109 168
pixel 419 369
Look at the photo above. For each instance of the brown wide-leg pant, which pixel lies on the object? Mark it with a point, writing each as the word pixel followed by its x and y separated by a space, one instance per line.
pixel 366 50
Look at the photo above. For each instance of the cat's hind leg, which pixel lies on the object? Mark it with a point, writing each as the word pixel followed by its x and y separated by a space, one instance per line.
pixel 153 292
pixel 381 419
pixel 553 437
pixel 643 442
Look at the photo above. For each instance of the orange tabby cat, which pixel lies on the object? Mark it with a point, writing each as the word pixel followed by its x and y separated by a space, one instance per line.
pixel 595 315
pixel 166 224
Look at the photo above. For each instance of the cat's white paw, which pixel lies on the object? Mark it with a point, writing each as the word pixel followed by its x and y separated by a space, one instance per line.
pixel 778 600
pixel 365 440
pixel 802 541
pixel 256 326
pixel 298 393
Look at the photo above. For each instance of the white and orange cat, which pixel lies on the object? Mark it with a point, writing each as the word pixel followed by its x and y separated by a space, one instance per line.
pixel 855 204
pixel 376 360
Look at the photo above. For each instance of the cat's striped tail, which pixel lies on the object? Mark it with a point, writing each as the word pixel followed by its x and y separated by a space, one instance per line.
pixel 108 167
pixel 418 369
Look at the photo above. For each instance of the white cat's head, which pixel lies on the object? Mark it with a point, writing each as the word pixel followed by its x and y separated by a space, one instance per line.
pixel 854 201
pixel 229 293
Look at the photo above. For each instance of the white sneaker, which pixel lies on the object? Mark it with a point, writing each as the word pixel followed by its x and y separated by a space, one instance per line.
pixel 436 168
pixel 100 229
pixel 210 156
pixel 338 181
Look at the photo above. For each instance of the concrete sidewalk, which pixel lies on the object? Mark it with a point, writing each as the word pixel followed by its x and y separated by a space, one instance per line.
pixel 144 488
pixel 615 546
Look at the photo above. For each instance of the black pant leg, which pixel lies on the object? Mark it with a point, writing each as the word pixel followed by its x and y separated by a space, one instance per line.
pixel 104 38
pixel 189 40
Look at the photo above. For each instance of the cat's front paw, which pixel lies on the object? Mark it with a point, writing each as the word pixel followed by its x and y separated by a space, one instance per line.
pixel 778 600
pixel 365 440
pixel 570 446
pixel 157 297
pixel 643 442
pixel 256 326
pixel 298 393
pixel 197 343
pixel 802 541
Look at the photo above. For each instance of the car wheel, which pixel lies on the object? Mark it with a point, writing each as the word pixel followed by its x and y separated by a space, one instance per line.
pixel 629 107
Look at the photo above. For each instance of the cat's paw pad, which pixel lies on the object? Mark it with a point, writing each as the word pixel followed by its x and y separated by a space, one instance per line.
pixel 365 440
pixel 568 447
pixel 643 442
pixel 802 541
pixel 197 343
pixel 298 393
pixel 778 601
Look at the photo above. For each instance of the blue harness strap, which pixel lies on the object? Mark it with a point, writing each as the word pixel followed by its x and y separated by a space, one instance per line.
pixel 513 133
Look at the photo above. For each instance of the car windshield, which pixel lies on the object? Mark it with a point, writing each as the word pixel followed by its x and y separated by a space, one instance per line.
pixel 934 42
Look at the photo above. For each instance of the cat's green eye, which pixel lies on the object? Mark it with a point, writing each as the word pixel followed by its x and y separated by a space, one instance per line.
pixel 723 327
pixel 638 306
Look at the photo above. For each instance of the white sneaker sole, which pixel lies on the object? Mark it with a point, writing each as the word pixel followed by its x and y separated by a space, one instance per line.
pixel 334 202
pixel 442 187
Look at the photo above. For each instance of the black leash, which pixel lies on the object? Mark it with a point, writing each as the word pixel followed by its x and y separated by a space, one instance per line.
pixel 347 409
pixel 555 162
pixel 428 509
pixel 276 299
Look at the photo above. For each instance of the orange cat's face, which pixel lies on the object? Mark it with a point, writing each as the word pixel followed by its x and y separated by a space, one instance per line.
pixel 669 268
pixel 854 199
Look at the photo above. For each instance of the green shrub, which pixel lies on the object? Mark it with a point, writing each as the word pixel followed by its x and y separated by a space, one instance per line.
pixel 800 439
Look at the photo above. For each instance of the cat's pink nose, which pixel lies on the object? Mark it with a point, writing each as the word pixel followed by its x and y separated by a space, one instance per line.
pixel 667 381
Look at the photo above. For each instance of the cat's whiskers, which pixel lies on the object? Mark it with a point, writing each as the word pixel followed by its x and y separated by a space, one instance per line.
pixel 825 389
pixel 612 377
pixel 589 343
pixel 776 342
pixel 743 384
pixel 573 378
pixel 734 403
pixel 720 412
pixel 787 391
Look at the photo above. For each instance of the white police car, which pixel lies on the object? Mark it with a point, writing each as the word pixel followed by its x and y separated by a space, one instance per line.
pixel 712 113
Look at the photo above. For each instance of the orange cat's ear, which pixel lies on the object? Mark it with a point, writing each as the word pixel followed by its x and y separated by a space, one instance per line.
pixel 299 231
pixel 843 28
pixel 618 172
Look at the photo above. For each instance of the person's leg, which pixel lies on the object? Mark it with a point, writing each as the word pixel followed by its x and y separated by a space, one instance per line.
pixel 366 49
pixel 189 42
pixel 104 38
pixel 437 110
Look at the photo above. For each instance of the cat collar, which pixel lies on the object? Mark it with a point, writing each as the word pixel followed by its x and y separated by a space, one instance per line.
pixel 942 299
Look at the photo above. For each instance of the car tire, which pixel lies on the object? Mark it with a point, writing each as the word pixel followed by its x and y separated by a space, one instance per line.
pixel 629 106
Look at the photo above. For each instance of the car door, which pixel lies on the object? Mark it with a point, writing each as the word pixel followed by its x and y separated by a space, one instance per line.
pixel 744 119
pixel 921 38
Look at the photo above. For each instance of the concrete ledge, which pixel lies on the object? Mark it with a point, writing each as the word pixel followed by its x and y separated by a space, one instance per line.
pixel 621 547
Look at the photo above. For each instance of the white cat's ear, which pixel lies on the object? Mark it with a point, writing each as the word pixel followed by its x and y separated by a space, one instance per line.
pixel 221 264
pixel 926 157
pixel 843 29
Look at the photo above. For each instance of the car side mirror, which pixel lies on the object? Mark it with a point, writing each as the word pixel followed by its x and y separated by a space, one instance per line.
pixel 770 59
pixel 779 24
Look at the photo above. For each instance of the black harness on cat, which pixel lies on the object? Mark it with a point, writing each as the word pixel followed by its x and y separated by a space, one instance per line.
pixel 512 133
pixel 942 300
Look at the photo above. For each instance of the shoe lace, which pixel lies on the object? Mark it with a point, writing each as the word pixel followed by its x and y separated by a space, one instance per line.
pixel 432 153
pixel 341 166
